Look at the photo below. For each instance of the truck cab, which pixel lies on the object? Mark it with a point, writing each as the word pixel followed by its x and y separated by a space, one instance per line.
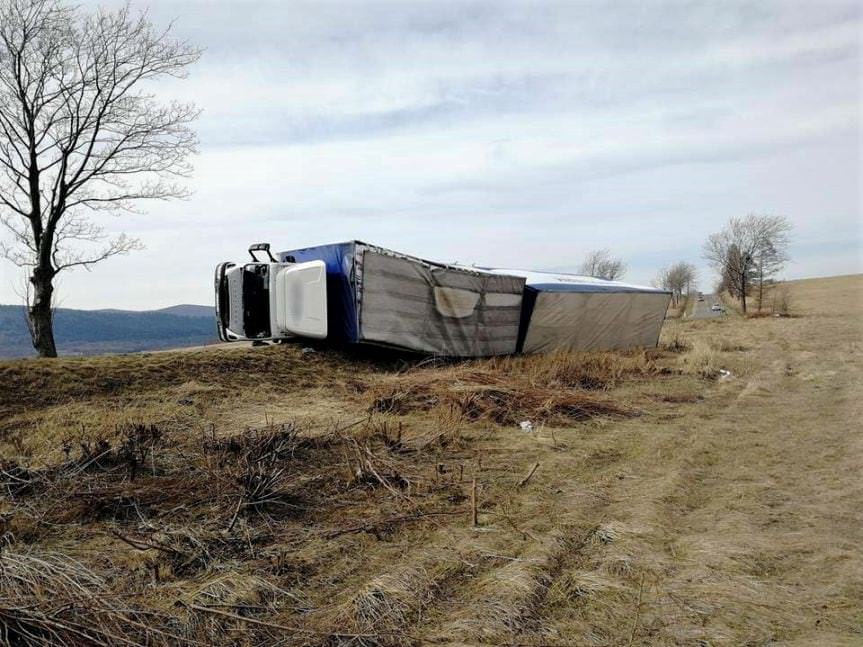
pixel 269 300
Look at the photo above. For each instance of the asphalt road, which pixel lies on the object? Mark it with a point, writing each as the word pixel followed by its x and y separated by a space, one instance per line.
pixel 701 309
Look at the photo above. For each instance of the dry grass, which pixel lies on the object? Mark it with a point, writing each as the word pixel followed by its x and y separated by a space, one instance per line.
pixel 245 595
pixel 183 511
pixel 509 598
pixel 702 361
pixel 554 389
pixel 162 500
pixel 50 599
pixel 476 397
pixel 214 371
pixel 395 599
pixel 585 370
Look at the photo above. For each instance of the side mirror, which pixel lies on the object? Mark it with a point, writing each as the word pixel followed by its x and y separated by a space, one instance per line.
pixel 261 247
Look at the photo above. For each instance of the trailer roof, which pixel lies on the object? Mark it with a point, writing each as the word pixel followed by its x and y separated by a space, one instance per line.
pixel 563 282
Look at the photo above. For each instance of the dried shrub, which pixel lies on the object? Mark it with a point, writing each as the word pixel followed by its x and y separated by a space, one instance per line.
pixel 676 344
pixel 725 345
pixel 132 445
pixel 505 390
pixel 702 361
pixel 138 441
pixel 486 395
pixel 95 499
pixel 261 468
pixel 96 455
pixel 183 551
pixel 15 479
pixel 371 470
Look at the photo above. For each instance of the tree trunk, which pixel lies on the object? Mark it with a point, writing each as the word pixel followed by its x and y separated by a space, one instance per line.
pixel 743 290
pixel 760 285
pixel 40 315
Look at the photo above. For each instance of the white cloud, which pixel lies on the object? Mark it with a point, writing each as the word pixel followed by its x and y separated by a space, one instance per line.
pixel 502 132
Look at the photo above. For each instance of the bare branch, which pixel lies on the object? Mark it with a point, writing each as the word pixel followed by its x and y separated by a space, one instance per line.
pixel 118 246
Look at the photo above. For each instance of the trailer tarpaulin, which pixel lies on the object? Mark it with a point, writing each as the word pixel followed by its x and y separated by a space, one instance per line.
pixel 438 308
pixel 570 312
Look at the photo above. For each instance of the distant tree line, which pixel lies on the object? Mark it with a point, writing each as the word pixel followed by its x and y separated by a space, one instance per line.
pixel 601 264
pixel 748 254
pixel 679 279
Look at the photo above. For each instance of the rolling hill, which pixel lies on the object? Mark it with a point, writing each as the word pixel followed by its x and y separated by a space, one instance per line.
pixel 90 332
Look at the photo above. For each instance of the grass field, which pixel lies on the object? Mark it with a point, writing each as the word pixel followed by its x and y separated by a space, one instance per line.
pixel 706 493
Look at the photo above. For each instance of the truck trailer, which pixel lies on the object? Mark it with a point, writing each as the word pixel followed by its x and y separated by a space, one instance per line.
pixel 357 293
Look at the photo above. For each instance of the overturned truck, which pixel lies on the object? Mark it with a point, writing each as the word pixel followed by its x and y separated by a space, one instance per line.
pixel 356 293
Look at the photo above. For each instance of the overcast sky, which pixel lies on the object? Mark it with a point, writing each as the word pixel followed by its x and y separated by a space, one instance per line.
pixel 507 134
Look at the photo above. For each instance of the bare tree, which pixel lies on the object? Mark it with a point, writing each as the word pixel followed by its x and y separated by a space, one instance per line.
pixel 600 264
pixel 748 251
pixel 769 261
pixel 679 279
pixel 81 133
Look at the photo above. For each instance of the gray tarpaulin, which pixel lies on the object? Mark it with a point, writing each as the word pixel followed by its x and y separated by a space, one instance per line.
pixel 595 321
pixel 437 309
pixel 571 312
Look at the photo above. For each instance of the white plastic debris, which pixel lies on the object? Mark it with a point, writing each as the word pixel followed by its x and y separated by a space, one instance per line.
pixel 307 350
pixel 725 375
pixel 526 425
pixel 606 534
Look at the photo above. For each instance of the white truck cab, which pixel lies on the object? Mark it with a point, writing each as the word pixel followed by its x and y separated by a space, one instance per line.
pixel 271 300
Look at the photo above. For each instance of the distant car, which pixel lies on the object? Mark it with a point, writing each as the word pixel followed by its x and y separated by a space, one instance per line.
pixel 700 298
pixel 716 307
